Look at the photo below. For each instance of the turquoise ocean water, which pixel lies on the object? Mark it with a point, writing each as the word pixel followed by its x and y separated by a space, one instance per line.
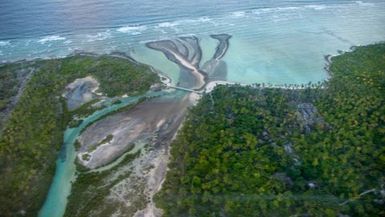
pixel 273 41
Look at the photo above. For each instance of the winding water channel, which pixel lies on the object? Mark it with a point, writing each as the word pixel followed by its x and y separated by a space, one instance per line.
pixel 65 173
pixel 186 52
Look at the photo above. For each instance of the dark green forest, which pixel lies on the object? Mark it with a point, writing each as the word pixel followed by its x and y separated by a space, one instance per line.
pixel 312 151
pixel 12 79
pixel 33 133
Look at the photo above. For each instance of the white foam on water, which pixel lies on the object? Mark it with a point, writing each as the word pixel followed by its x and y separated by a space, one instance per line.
pixel 51 38
pixel 286 8
pixel 173 24
pixel 289 9
pixel 204 19
pixel 4 43
pixel 134 29
pixel 187 35
pixel 361 3
pixel 316 7
pixel 277 14
pixel 238 14
pixel 101 36
pixel 273 10
pixel 136 33
pixel 67 42
pixel 168 24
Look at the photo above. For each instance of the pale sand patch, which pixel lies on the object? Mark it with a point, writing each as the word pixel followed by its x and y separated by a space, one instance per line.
pixel 212 84
pixel 81 91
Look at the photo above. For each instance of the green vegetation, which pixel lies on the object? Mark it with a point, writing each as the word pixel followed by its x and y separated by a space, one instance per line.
pixel 83 111
pixel 86 157
pixel 91 189
pixel 8 85
pixel 107 139
pixel 257 152
pixel 75 123
pixel 129 78
pixel 77 145
pixel 11 81
pixel 33 134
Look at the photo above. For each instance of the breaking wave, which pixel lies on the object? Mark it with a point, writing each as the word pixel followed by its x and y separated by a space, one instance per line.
pixel 316 7
pixel 168 24
pixel 99 36
pixel 4 43
pixel 361 3
pixel 51 38
pixel 134 29
pixel 173 24
pixel 238 14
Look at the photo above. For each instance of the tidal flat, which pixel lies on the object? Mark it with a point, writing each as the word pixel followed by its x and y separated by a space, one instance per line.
pixel 146 129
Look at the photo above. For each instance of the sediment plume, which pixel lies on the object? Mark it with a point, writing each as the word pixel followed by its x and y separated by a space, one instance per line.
pixel 187 53
pixel 223 45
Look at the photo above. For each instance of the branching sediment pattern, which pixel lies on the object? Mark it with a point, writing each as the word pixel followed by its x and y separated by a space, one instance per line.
pixel 187 53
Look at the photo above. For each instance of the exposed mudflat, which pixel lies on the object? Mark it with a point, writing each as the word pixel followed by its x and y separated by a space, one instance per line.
pixel 156 119
pixel 81 91
pixel 223 45
pixel 149 128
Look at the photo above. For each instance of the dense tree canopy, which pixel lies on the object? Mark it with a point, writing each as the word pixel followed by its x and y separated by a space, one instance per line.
pixel 33 134
pixel 317 151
